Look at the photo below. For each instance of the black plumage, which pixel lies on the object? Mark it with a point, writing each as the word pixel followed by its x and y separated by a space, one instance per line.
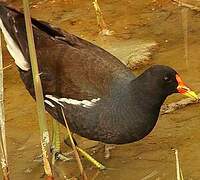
pixel 118 108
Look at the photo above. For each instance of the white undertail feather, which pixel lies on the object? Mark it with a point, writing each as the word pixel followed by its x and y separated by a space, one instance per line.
pixel 83 103
pixel 14 49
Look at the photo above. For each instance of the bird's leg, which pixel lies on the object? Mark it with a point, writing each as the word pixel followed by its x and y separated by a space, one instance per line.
pixel 56 137
pixel 56 150
pixel 55 141
pixel 87 156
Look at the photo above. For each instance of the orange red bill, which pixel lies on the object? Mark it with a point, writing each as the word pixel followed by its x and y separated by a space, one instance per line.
pixel 183 89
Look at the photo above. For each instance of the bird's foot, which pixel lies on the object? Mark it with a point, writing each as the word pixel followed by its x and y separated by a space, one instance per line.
pixel 58 155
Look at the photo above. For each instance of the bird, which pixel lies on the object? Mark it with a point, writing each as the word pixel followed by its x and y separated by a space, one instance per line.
pixel 101 98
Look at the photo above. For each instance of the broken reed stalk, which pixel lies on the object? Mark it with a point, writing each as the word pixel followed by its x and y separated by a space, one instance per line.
pixel 4 158
pixel 44 134
pixel 190 6
pixel 80 166
pixel 100 20
pixel 168 108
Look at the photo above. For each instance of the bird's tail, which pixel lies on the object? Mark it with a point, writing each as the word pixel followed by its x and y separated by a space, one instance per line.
pixel 14 31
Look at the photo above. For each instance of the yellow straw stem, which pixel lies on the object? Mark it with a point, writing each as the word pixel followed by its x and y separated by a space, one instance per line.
pixel 4 158
pixel 179 174
pixel 74 148
pixel 44 134
pixel 91 159
pixel 100 20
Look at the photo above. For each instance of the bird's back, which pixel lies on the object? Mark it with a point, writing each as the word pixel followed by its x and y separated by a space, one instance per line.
pixel 69 66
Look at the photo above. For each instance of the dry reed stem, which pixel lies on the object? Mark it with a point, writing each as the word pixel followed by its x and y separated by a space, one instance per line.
pixel 80 166
pixel 44 134
pixel 168 108
pixel 100 20
pixel 179 174
pixel 4 68
pixel 190 6
pixel 4 157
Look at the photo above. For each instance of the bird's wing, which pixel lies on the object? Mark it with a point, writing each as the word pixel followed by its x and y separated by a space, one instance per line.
pixel 69 66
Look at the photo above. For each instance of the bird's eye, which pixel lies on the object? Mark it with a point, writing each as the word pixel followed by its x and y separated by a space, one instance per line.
pixel 167 79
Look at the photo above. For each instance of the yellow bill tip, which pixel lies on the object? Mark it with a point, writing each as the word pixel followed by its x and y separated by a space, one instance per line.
pixel 191 94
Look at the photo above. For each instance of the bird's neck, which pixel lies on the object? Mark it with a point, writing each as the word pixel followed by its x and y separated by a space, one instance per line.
pixel 139 94
pixel 145 94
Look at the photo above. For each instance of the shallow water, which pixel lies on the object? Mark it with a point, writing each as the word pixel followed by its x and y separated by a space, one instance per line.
pixel 151 158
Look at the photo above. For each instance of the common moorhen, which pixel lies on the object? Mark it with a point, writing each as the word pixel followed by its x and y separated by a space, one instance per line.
pixel 101 98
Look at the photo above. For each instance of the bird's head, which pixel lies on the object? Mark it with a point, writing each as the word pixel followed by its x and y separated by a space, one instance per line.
pixel 166 81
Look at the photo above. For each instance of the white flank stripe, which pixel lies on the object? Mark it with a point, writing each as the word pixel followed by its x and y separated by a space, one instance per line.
pixel 83 103
pixel 54 99
pixel 49 103
pixel 95 100
pixel 14 50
